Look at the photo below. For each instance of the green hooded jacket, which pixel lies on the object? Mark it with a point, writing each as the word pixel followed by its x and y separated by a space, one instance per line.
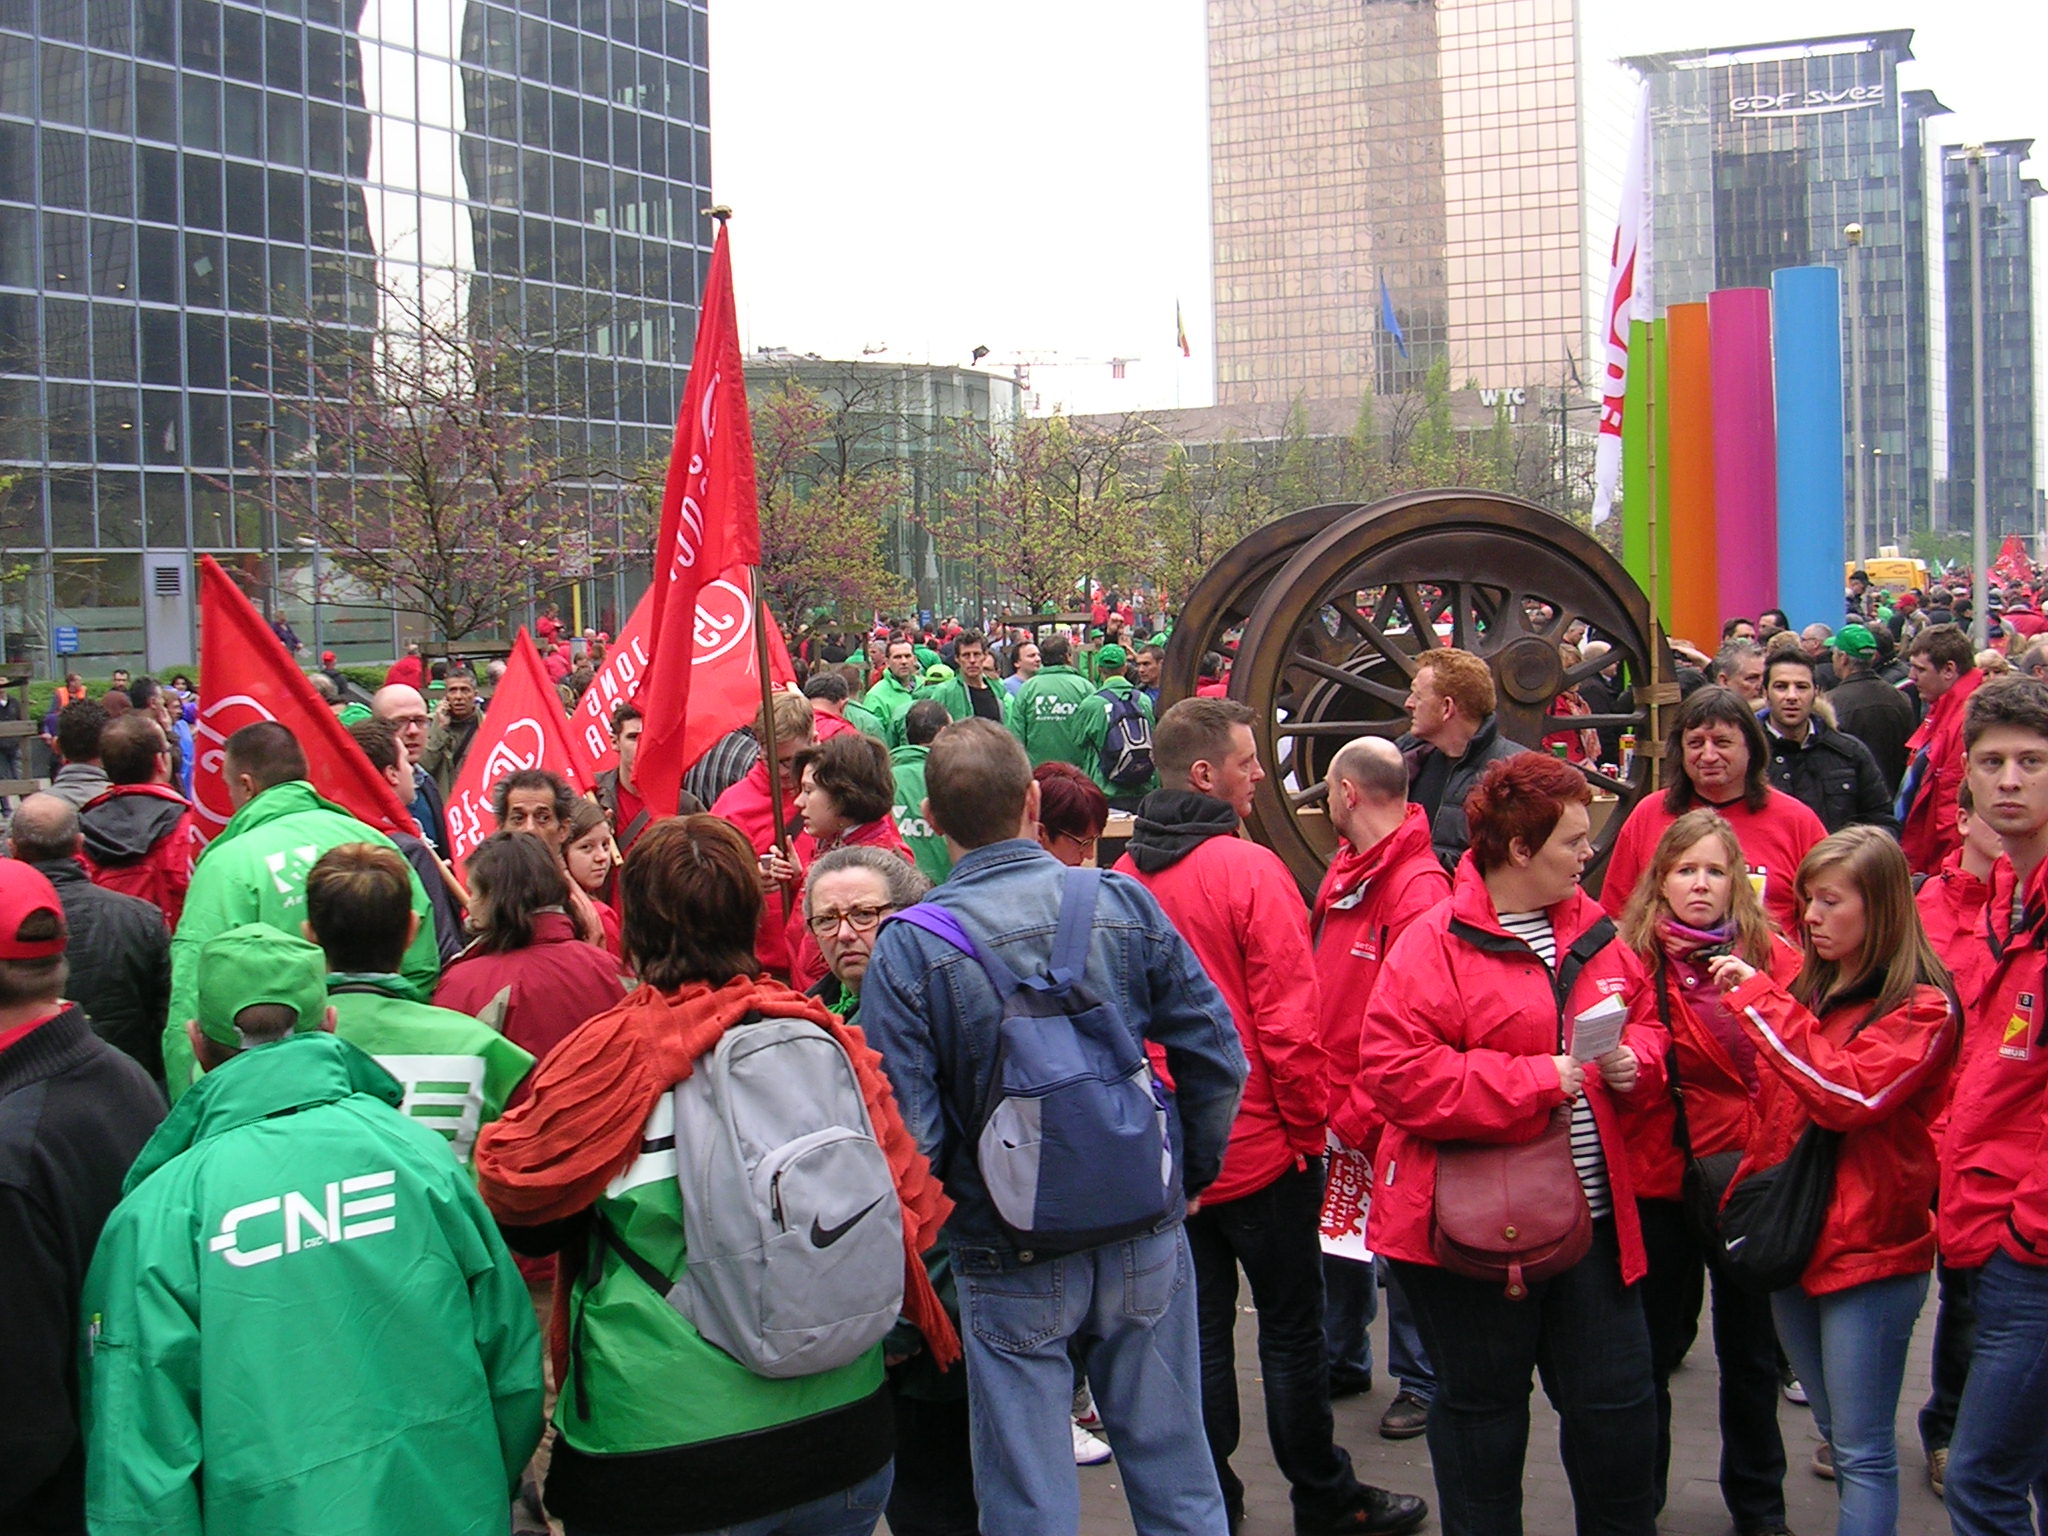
pixel 889 701
pixel 865 720
pixel 959 705
pixel 255 872
pixel 1094 726
pixel 301 1320
pixel 926 846
pixel 1045 714
pixel 457 1073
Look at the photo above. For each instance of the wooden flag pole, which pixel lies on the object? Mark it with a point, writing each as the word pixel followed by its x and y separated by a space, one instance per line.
pixel 768 733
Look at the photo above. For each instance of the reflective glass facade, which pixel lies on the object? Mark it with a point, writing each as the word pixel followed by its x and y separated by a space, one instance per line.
pixel 2008 256
pixel 1761 157
pixel 1429 144
pixel 192 193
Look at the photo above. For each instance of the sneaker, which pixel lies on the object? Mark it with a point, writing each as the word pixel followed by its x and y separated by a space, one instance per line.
pixel 1824 1461
pixel 1406 1417
pixel 1937 1471
pixel 1377 1513
pixel 1088 1450
pixel 1794 1392
pixel 1085 1412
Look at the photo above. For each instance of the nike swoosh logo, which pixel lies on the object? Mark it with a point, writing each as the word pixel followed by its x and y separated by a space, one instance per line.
pixel 825 1237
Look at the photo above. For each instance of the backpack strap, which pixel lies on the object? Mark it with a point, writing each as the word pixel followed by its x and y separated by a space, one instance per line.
pixel 1070 939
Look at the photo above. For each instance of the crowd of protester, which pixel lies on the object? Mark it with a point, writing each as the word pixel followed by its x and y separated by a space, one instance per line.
pixel 851 1140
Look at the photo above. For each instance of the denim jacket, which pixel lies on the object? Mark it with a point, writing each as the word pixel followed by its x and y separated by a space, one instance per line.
pixel 932 1013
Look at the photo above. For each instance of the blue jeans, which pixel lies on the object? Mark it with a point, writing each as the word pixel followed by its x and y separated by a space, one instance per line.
pixel 2000 1450
pixel 1848 1349
pixel 1132 1304
pixel 849 1512
pixel 1350 1303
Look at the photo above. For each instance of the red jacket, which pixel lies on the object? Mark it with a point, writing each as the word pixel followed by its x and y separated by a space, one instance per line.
pixel 1928 834
pixel 1240 911
pixel 1720 1107
pixel 1883 1089
pixel 1774 841
pixel 1457 1046
pixel 141 839
pixel 746 806
pixel 1952 911
pixel 536 996
pixel 1992 1141
pixel 1367 901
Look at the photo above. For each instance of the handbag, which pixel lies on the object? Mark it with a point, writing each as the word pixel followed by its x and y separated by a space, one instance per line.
pixel 1518 1214
pixel 1704 1184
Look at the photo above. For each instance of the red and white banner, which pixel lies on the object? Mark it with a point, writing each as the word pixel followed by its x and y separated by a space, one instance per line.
pixel 710 524
pixel 524 728
pixel 245 676
pixel 1629 297
pixel 724 695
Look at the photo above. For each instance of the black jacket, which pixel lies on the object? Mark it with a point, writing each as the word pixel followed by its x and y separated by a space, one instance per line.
pixel 1878 715
pixel 120 954
pixel 1834 776
pixel 448 935
pixel 73 1115
pixel 1440 785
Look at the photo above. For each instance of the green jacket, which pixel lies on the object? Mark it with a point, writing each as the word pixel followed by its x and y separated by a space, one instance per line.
pixel 927 847
pixel 959 705
pixel 1045 714
pixel 301 1320
pixel 1094 726
pixel 888 701
pixel 255 872
pixel 457 1073
pixel 865 720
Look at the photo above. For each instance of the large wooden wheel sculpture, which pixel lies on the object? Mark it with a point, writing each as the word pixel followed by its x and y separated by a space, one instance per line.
pixel 1331 607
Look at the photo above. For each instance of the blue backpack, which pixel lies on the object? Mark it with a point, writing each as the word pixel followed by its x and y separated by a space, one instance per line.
pixel 1072 1138
pixel 1126 742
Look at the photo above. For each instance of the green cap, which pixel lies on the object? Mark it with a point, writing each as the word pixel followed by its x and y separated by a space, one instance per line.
pixel 1111 655
pixel 257 963
pixel 1855 640
pixel 933 676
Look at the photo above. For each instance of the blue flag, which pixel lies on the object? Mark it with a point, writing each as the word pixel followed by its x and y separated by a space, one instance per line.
pixel 1387 321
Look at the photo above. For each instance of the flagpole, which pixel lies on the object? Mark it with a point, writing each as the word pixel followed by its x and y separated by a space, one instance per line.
pixel 761 664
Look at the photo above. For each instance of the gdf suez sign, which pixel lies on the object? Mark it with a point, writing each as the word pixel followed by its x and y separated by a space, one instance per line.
pixel 349 1210
pixel 1807 103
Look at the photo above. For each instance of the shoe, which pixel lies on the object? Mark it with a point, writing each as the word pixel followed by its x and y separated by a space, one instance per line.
pixel 1349 1386
pixel 1768 1528
pixel 1824 1461
pixel 1794 1392
pixel 1406 1417
pixel 1377 1513
pixel 1085 1412
pixel 1937 1471
pixel 1088 1450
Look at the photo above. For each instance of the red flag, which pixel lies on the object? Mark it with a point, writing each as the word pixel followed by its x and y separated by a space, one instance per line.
pixel 523 729
pixel 725 692
pixel 709 524
pixel 245 676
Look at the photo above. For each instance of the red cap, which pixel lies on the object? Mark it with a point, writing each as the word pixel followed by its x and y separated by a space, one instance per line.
pixel 25 891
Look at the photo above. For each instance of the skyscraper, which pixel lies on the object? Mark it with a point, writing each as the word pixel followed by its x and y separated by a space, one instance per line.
pixel 2008 299
pixel 1393 184
pixel 190 189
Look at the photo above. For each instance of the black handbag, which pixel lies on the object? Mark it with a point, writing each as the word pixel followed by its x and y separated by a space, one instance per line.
pixel 1706 1179
pixel 1773 1218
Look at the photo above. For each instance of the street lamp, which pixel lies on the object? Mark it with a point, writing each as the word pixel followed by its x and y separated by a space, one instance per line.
pixel 1980 576
pixel 1853 233
pixel 1877 505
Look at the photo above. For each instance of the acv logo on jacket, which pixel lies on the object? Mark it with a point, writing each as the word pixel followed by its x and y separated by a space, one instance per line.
pixel 338 1219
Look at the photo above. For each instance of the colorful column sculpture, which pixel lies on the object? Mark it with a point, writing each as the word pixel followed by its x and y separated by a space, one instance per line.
pixel 1806 306
pixel 1745 451
pixel 1695 595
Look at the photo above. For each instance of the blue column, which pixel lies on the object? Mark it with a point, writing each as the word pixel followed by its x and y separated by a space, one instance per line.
pixel 1807 346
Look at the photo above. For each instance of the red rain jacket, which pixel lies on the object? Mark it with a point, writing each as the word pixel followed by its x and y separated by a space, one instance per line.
pixel 1457 1046
pixel 1367 900
pixel 140 839
pixel 1929 833
pixel 1774 841
pixel 746 806
pixel 535 996
pixel 1240 911
pixel 1883 1089
pixel 1952 911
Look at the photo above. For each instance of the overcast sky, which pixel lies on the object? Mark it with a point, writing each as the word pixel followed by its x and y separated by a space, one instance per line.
pixel 913 178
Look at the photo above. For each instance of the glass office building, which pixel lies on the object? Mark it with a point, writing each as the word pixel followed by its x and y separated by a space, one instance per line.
pixel 1430 146
pixel 193 192
pixel 1761 158
pixel 2008 256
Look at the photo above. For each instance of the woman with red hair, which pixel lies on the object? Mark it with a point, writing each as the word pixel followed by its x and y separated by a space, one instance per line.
pixel 1464 1049
pixel 1072 811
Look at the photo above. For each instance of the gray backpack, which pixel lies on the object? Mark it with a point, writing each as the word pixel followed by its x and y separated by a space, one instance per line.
pixel 794 1232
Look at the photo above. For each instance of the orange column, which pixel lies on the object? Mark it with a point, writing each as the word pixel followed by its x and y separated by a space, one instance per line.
pixel 1690 413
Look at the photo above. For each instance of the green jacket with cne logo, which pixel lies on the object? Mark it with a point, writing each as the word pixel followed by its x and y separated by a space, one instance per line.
pixel 301 1319
pixel 927 846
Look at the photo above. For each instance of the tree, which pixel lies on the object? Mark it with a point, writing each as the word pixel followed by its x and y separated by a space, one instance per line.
pixel 822 513
pixel 421 453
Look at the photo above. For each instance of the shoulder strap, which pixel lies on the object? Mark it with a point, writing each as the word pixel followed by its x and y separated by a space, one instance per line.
pixel 1681 1128
pixel 1573 960
pixel 630 1257
pixel 634 828
pixel 942 924
pixel 1070 940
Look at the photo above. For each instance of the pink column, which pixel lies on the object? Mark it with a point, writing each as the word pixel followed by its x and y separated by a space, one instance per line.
pixel 1745 453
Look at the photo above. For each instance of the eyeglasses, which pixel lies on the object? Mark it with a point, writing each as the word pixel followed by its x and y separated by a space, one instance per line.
pixel 859 919
pixel 1077 841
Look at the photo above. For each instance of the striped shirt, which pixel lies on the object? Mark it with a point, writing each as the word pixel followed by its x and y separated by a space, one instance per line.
pixel 1534 930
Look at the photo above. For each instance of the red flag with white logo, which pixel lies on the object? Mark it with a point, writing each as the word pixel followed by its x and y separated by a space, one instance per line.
pixel 710 524
pixel 246 676
pixel 524 728
pixel 725 692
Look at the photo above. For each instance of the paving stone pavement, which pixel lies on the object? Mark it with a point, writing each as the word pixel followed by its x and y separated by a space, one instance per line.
pixel 1694 1507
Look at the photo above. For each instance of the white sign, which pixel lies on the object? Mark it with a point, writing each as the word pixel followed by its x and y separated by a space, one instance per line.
pixel 1807 103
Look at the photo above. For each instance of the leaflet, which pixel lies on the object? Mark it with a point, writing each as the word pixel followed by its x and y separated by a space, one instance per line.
pixel 1597 1031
